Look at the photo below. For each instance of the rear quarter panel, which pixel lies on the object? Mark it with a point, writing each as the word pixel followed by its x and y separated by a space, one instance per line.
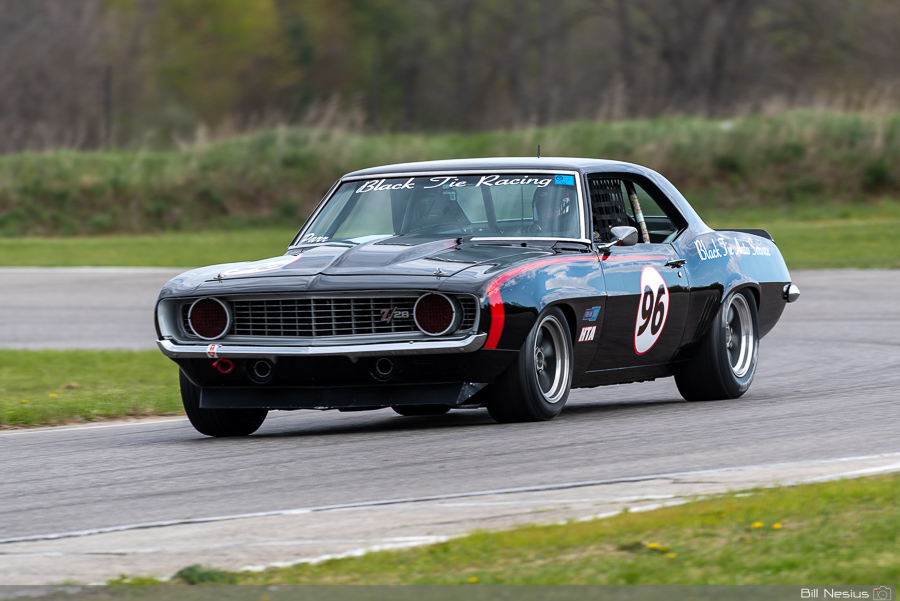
pixel 721 262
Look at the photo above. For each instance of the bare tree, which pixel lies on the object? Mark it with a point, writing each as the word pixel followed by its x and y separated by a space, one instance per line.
pixel 52 74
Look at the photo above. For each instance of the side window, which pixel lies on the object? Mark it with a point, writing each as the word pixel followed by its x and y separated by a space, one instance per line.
pixel 608 205
pixel 659 226
pixel 612 205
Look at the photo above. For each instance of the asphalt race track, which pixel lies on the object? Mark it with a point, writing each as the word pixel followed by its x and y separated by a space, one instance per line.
pixel 827 387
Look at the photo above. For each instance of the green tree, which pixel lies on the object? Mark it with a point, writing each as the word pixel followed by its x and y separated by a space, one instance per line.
pixel 219 58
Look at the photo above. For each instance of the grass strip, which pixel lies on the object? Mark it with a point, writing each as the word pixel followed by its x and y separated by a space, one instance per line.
pixel 183 249
pixel 40 388
pixel 809 236
pixel 826 236
pixel 842 533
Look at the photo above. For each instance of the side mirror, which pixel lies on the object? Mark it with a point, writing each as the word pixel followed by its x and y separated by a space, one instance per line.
pixel 621 234
pixel 624 235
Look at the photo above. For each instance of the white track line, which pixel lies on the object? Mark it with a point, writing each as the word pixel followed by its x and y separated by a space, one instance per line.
pixel 168 420
pixel 427 498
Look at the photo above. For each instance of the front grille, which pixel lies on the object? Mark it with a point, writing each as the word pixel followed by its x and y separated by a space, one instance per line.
pixel 324 317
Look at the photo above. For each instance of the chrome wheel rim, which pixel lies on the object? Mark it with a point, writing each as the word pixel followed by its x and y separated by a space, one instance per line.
pixel 551 359
pixel 739 338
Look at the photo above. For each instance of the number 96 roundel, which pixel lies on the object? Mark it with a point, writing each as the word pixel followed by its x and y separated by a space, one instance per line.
pixel 652 310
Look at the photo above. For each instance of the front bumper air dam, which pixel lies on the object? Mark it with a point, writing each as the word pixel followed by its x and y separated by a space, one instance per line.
pixel 341 397
pixel 174 350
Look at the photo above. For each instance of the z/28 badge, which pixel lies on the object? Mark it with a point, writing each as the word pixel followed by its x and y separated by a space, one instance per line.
pixel 652 310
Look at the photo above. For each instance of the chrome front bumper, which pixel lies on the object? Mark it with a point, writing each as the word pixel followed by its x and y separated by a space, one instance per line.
pixel 174 350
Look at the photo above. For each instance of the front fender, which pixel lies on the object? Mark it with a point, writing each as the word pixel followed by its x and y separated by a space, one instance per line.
pixel 512 300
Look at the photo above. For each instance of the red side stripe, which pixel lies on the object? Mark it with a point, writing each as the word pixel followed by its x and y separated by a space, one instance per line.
pixel 633 258
pixel 497 314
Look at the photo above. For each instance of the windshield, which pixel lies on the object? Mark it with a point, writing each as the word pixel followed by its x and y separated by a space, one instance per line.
pixel 521 205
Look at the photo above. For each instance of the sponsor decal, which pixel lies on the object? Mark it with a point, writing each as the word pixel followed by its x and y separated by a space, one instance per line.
pixel 261 266
pixel 591 314
pixel 653 307
pixel 587 333
pixel 212 351
pixel 720 248
pixel 379 185
pixel 311 238
pixel 387 315
pixel 452 181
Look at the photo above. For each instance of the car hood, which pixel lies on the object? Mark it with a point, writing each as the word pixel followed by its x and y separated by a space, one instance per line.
pixel 375 257
pixel 428 261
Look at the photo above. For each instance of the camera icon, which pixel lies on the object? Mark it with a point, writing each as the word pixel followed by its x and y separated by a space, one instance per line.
pixel 883 593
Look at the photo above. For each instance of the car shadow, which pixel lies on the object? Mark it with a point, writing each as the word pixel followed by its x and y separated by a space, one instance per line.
pixel 386 421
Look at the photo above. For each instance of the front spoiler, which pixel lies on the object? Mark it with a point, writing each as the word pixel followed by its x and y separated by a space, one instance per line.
pixel 418 347
pixel 350 397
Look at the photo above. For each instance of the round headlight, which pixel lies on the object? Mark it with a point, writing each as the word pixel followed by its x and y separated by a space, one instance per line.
pixel 209 318
pixel 435 314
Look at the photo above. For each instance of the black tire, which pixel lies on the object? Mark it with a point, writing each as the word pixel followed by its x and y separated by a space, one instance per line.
pixel 218 422
pixel 536 386
pixel 723 365
pixel 419 410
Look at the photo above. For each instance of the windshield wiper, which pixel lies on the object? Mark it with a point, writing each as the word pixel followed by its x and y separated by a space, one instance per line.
pixel 571 245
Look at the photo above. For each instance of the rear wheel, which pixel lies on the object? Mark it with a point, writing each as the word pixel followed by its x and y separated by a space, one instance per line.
pixel 724 364
pixel 536 386
pixel 218 422
pixel 418 410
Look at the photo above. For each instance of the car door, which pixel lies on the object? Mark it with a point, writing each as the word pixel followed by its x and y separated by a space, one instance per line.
pixel 647 286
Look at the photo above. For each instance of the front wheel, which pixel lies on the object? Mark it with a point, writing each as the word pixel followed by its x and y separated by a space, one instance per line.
pixel 218 422
pixel 537 384
pixel 724 363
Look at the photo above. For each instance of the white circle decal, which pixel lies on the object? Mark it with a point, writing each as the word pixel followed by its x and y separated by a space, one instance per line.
pixel 653 307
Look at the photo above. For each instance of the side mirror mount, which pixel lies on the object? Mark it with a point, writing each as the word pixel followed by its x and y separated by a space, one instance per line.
pixel 624 235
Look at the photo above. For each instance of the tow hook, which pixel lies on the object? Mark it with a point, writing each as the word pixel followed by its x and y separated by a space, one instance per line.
pixel 225 366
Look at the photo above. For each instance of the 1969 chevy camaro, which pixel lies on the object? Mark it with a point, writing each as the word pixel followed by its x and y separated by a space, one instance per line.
pixel 500 283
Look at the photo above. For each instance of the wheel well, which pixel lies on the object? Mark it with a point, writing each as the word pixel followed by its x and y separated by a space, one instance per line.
pixel 569 314
pixel 754 292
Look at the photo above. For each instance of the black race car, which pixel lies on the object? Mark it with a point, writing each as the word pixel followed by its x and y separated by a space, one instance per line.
pixel 500 283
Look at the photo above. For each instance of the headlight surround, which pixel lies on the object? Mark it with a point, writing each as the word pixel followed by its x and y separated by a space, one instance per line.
pixel 209 318
pixel 436 314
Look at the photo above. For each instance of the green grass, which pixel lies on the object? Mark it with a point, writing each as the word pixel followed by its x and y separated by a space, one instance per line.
pixel 39 388
pixel 177 249
pixel 826 237
pixel 275 177
pixel 841 533
pixel 810 237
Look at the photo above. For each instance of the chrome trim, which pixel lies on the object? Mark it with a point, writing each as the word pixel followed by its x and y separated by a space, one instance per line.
pixel 791 292
pixel 191 351
pixel 337 185
pixel 740 342
pixel 171 318
pixel 227 322
pixel 454 322
pixel 557 370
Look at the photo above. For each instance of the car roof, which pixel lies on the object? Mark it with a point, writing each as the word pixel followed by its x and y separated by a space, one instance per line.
pixel 582 165
pixel 527 163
